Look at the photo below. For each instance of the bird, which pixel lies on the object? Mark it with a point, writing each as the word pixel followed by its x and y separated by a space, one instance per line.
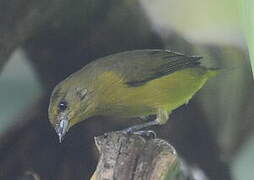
pixel 135 83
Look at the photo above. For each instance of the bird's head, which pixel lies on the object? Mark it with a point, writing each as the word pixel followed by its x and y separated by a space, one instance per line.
pixel 69 104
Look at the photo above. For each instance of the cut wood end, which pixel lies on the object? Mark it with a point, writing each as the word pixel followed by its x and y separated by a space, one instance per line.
pixel 128 157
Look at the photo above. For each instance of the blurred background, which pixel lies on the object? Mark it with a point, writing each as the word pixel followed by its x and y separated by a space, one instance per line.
pixel 42 42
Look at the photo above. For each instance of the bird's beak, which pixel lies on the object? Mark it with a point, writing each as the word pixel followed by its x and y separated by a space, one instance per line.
pixel 62 128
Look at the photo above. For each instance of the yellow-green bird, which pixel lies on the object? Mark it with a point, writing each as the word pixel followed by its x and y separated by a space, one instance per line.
pixel 134 83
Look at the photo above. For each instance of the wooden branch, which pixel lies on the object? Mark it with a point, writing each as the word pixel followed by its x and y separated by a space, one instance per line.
pixel 26 17
pixel 132 157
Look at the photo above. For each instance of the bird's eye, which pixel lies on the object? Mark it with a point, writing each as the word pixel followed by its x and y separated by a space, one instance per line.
pixel 62 105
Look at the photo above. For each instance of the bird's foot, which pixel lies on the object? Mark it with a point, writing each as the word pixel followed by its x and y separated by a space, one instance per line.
pixel 150 134
pixel 137 129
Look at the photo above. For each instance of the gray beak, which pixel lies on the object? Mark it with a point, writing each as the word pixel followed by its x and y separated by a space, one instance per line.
pixel 61 129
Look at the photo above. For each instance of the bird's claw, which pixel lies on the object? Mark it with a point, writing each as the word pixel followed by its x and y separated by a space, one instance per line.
pixel 150 134
pixel 145 133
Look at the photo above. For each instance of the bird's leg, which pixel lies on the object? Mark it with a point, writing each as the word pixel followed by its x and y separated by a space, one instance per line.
pixel 161 118
pixel 138 127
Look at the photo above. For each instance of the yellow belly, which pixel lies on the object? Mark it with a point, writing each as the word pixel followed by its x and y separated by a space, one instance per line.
pixel 168 92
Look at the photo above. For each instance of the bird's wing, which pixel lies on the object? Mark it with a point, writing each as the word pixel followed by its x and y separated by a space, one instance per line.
pixel 140 66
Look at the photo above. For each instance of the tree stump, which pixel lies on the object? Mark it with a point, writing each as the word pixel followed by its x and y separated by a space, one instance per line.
pixel 133 157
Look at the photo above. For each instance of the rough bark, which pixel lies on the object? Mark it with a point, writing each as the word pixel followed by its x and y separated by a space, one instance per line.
pixel 132 157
